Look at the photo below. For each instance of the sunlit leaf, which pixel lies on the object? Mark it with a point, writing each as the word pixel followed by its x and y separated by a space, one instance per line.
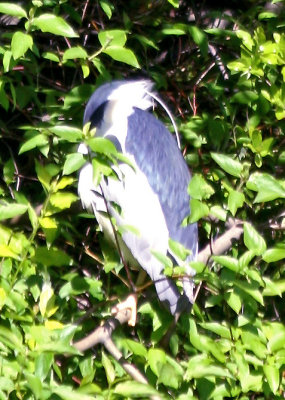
pixel 235 201
pixel 113 37
pixel 12 9
pixel 109 369
pixel 10 210
pixel 122 54
pixel 273 377
pixel 74 52
pixel 73 162
pixel 228 164
pixel 67 132
pixel 200 189
pixel 253 240
pixel 135 389
pixel 21 42
pixel 54 24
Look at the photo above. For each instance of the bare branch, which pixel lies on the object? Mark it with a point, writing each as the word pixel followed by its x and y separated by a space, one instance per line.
pixel 103 335
pixel 223 242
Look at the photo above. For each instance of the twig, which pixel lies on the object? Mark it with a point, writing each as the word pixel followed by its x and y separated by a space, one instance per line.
pixel 214 52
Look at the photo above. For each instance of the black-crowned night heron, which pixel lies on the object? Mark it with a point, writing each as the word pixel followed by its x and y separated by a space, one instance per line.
pixel 151 192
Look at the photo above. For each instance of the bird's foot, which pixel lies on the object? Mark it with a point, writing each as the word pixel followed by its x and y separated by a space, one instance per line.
pixel 131 304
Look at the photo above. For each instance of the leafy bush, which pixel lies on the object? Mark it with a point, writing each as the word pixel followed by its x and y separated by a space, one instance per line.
pixel 223 72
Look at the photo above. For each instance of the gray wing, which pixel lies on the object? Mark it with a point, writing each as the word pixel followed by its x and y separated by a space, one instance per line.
pixel 157 155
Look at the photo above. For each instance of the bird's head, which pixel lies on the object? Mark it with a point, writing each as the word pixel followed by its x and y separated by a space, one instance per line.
pixel 117 99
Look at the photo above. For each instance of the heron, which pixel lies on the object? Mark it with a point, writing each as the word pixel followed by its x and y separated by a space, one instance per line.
pixel 151 193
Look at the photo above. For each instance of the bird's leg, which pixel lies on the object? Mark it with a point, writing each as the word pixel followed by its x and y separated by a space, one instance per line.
pixel 131 304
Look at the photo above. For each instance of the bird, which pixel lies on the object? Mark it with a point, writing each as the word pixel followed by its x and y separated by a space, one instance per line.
pixel 151 193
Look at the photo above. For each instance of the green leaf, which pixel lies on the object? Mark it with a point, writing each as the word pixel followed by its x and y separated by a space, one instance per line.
pixel 200 39
pixel 75 52
pixel 163 259
pixel 217 328
pixel 68 393
pixel 37 140
pixel 107 7
pixel 46 297
pixel 48 223
pixel 62 200
pixel 277 341
pixel 21 42
pixel 267 186
pixel 156 360
pixel 51 56
pixel 199 189
pixel 63 182
pixel 244 97
pixel 273 255
pixel 174 3
pixel 51 257
pixel 109 369
pixel 73 162
pixel 78 285
pixel 218 212
pixel 254 343
pixel 235 201
pixel 35 385
pixel 11 339
pixel 53 24
pixel 273 288
pixel 102 145
pixel 198 210
pixel 136 348
pixel 245 259
pixel 113 37
pixel 272 374
pixel 43 365
pixel 267 15
pixel 232 167
pixel 253 240
pixel 201 366
pixel 10 210
pixel 246 38
pixel 250 289
pixel 177 249
pixel 133 389
pixel 66 132
pixel 204 343
pixel 44 174
pixel 100 167
pixel 174 29
pixel 3 96
pixel 122 54
pixel 6 251
pixel 169 377
pixel 228 262
pixel 13 9
pixel 234 300
pixel 77 96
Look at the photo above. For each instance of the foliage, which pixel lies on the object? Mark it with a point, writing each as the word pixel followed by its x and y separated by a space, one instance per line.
pixel 223 73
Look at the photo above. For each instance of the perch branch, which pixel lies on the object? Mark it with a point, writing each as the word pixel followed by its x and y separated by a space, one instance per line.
pixel 103 335
pixel 223 242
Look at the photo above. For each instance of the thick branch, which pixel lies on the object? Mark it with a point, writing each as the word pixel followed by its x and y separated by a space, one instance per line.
pixel 223 242
pixel 103 335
